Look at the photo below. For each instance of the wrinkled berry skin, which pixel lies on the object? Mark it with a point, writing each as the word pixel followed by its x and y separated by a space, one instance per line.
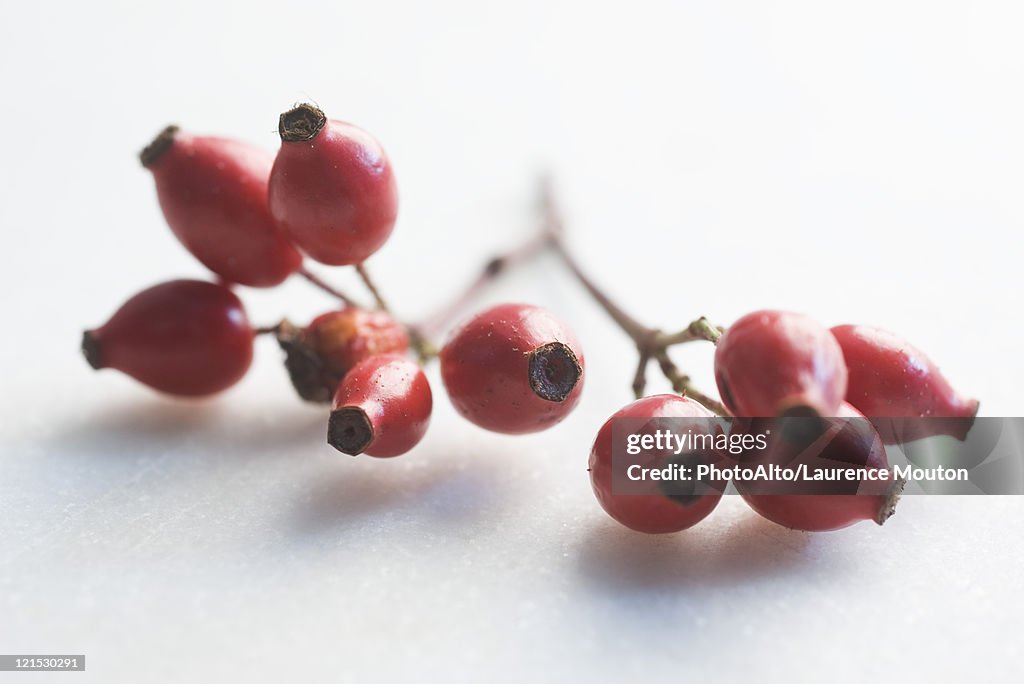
pixel 382 408
pixel 332 189
pixel 213 193
pixel 514 368
pixel 890 378
pixel 653 513
pixel 319 355
pixel 850 443
pixel 188 338
pixel 773 362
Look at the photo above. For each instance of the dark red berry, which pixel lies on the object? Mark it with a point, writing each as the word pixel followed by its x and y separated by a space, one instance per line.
pixel 847 442
pixel 319 355
pixel 184 337
pixel 332 189
pixel 213 193
pixel 382 408
pixel 647 507
pixel 770 363
pixel 890 378
pixel 513 368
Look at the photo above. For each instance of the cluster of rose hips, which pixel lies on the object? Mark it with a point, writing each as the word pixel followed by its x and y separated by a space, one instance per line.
pixel 779 365
pixel 330 194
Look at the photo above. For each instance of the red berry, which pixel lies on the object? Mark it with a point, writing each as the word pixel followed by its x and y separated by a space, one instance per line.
pixel 773 362
pixel 319 355
pixel 890 378
pixel 513 368
pixel 653 512
pixel 382 408
pixel 332 189
pixel 183 337
pixel 213 193
pixel 344 338
pixel 848 441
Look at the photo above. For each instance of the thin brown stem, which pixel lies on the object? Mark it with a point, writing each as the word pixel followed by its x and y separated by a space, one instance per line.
pixel 266 329
pixel 640 377
pixel 423 347
pixel 318 282
pixel 699 329
pixel 681 384
pixel 434 324
pixel 651 343
pixel 364 275
pixel 555 226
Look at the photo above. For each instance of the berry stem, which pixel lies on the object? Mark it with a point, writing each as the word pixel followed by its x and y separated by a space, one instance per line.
pixel 434 324
pixel 699 329
pixel 681 384
pixel 364 275
pixel 651 343
pixel 317 281
pixel 554 226
pixel 640 378
pixel 423 347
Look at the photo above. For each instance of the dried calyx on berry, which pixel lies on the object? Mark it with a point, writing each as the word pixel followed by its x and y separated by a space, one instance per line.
pixel 187 338
pixel 302 122
pixel 382 408
pixel 213 193
pixel 648 505
pixel 332 189
pixel 318 356
pixel 513 368
pixel 820 504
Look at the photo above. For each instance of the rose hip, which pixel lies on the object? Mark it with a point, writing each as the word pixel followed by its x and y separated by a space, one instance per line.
pixel 183 337
pixel 513 368
pixel 319 355
pixel 652 511
pixel 332 189
pixel 770 363
pixel 213 193
pixel 890 379
pixel 849 441
pixel 382 408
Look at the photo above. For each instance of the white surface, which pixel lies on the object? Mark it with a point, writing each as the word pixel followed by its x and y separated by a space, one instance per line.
pixel 859 162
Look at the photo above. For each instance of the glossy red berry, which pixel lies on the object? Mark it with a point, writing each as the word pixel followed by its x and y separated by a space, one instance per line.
pixel 848 442
pixel 513 368
pixel 213 193
pixel 319 355
pixel 184 337
pixel 770 363
pixel 332 189
pixel 382 408
pixel 647 507
pixel 890 378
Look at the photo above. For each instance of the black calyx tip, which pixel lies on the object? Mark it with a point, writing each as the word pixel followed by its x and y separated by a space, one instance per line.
pixel 801 425
pixel 91 349
pixel 349 430
pixel 311 376
pixel 302 122
pixel 888 507
pixel 554 371
pixel 161 143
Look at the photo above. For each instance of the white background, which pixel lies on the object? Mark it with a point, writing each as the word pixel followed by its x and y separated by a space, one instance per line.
pixel 861 162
